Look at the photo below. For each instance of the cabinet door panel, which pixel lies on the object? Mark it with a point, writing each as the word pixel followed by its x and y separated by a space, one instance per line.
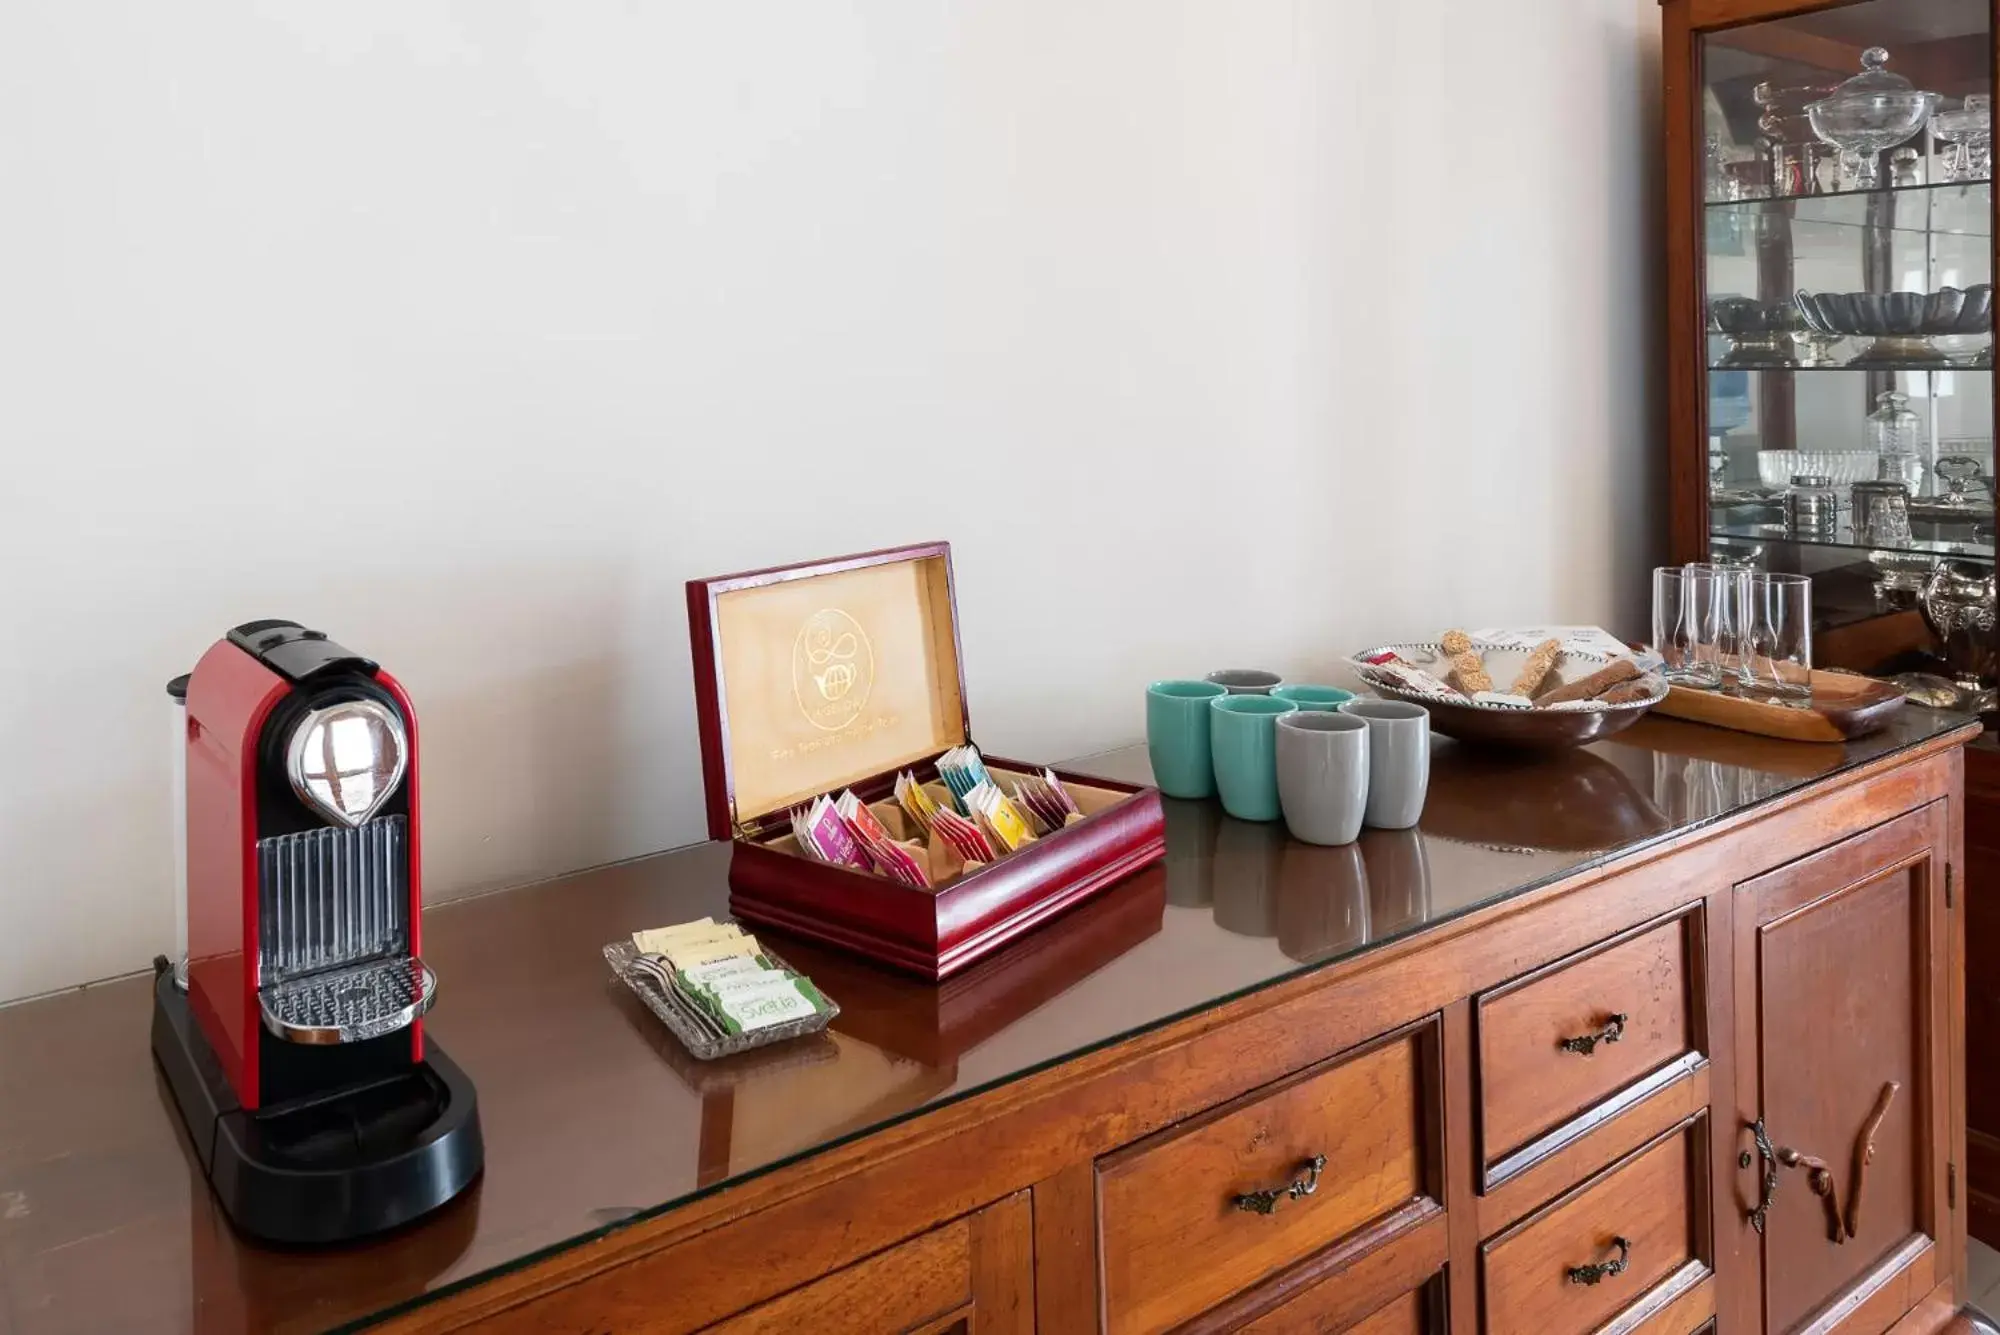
pixel 1841 1032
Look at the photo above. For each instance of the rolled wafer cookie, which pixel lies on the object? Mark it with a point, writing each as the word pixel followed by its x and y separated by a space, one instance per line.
pixel 1624 693
pixel 1536 669
pixel 1594 686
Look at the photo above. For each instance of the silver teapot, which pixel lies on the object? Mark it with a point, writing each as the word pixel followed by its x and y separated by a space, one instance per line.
pixel 1958 602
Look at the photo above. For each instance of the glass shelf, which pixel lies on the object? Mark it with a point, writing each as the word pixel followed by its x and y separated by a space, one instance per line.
pixel 1763 523
pixel 1954 209
pixel 1874 366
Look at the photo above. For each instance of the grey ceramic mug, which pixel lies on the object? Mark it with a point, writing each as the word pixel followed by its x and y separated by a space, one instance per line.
pixel 1244 681
pixel 1322 775
pixel 1399 760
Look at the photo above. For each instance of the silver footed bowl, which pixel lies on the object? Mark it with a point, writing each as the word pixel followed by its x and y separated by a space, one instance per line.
pixel 1949 310
pixel 1760 333
pixel 1901 323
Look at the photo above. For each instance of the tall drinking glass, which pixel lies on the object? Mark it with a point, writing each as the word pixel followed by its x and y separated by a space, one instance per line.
pixel 1687 609
pixel 1781 638
pixel 1730 652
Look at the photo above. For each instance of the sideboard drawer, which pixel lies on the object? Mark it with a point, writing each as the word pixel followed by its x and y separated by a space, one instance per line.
pixel 1177 1231
pixel 1538 1276
pixel 1406 1314
pixel 1562 1039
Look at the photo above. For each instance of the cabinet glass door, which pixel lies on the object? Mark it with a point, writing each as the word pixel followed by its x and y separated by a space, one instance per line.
pixel 1847 273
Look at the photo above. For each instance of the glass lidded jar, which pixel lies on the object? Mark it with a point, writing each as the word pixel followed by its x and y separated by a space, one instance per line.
pixel 1872 111
pixel 1892 434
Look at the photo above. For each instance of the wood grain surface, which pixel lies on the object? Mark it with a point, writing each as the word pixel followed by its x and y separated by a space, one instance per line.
pixel 1530 1083
pixel 1646 1199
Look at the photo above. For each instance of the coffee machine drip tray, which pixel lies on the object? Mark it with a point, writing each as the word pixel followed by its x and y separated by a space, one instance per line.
pixel 349 1005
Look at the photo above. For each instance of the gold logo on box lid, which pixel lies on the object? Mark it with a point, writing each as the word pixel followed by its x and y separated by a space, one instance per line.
pixel 833 669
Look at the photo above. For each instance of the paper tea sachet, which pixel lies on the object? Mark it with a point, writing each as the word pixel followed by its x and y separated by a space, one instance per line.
pixel 1047 799
pixel 962 771
pixel 915 802
pixel 890 858
pixel 856 813
pixel 998 816
pixel 966 838
pixel 1055 786
pixel 827 834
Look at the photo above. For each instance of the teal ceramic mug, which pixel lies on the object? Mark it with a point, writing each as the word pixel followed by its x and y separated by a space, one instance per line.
pixel 1177 736
pixel 1314 699
pixel 1243 742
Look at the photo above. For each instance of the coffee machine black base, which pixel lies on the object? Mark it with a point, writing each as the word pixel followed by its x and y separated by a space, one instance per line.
pixel 359 1161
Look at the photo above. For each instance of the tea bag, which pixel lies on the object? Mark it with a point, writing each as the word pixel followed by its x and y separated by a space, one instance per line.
pixel 962 771
pixel 916 803
pixel 999 817
pixel 829 834
pixel 967 838
pixel 1055 786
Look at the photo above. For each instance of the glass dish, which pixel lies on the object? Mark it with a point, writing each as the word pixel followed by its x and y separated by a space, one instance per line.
pixel 1872 111
pixel 1968 131
pixel 691 1025
pixel 1841 468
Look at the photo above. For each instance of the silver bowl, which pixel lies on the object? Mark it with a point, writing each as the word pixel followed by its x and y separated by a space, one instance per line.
pixel 1901 323
pixel 1499 725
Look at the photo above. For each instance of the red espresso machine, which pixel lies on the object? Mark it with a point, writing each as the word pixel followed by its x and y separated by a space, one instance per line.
pixel 295 1046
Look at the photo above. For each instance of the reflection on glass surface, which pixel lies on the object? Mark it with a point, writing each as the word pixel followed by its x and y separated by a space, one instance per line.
pixel 1571 801
pixel 1191 828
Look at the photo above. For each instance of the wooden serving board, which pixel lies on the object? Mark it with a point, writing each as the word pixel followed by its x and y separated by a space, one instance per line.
pixel 1844 706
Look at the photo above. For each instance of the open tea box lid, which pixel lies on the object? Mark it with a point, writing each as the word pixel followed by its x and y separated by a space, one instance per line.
pixel 815 677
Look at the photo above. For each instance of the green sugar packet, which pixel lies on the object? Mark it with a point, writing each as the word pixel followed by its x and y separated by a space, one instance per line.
pixel 747 1008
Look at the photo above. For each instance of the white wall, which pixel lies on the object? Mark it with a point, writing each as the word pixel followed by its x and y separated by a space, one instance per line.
pixel 1241 331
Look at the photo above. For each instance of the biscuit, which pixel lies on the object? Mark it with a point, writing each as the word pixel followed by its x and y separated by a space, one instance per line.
pixel 1468 674
pixel 1538 667
pixel 1592 687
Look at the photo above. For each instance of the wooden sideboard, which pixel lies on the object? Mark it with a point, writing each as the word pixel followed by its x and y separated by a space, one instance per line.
pixel 1511 1086
pixel 1716 1083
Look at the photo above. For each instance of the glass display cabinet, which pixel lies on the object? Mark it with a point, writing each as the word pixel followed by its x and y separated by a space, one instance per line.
pixel 1831 260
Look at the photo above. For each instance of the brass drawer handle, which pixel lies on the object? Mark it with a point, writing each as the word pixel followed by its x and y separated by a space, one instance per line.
pixel 1600 1271
pixel 1585 1044
pixel 1264 1202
